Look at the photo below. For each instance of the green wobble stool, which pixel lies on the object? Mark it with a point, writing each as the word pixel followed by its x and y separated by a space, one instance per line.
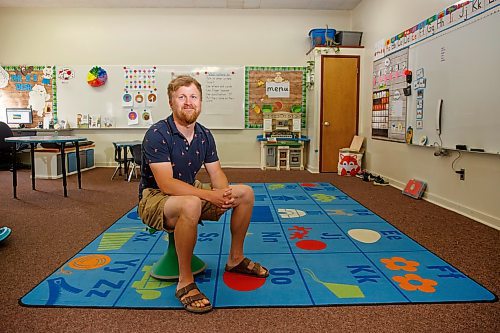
pixel 167 267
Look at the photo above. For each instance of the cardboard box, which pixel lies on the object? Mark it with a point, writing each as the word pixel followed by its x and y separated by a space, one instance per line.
pixel 350 159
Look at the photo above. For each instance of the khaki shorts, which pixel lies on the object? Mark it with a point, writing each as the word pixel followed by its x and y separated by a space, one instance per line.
pixel 153 201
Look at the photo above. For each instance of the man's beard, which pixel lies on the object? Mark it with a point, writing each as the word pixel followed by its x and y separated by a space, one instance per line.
pixel 188 117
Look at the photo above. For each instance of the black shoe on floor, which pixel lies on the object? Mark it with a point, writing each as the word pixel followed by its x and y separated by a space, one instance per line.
pixel 379 181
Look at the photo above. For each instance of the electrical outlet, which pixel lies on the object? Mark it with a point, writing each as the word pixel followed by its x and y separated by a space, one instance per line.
pixel 461 172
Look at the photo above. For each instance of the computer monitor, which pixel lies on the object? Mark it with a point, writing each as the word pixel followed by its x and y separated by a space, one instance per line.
pixel 19 116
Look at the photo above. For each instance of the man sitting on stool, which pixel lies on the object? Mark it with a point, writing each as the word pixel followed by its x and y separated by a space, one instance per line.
pixel 174 149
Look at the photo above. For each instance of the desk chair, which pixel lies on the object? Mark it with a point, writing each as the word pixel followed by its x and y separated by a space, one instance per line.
pixel 120 160
pixel 7 148
pixel 137 160
pixel 167 267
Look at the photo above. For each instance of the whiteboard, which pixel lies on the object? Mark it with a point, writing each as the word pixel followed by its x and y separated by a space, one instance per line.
pixel 223 94
pixel 461 66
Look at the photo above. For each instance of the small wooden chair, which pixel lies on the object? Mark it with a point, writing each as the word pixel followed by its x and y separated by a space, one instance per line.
pixel 167 267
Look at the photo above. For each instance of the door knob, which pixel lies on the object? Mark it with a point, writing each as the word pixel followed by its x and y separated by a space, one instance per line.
pixel 326 123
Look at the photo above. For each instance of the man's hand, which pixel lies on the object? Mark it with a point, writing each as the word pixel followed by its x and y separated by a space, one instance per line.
pixel 222 198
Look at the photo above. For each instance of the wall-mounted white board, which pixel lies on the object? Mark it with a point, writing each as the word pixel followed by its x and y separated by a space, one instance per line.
pixel 223 95
pixel 461 67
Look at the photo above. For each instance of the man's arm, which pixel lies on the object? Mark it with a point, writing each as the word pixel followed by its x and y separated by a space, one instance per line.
pixel 163 174
pixel 217 176
pixel 219 181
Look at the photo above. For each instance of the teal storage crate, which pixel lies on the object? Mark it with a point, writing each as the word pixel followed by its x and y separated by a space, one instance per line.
pixel 83 159
pixel 71 162
pixel 90 158
pixel 318 36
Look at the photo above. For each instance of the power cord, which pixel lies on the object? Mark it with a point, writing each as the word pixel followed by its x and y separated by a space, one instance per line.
pixel 453 163
pixel 460 172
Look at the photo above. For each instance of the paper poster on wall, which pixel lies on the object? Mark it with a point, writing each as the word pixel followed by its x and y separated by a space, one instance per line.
pixel 139 100
pixel 65 74
pixel 29 86
pixel 127 100
pixel 151 99
pixel 133 117
pixel 147 118
pixel 388 103
pixel 140 77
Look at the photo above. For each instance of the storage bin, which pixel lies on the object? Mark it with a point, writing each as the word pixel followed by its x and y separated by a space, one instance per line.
pixel 318 36
pixel 348 38
pixel 350 158
pixel 349 162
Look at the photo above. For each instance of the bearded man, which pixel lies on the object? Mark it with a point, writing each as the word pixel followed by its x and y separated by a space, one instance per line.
pixel 171 199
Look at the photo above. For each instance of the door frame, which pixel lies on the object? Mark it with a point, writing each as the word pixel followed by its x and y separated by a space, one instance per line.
pixel 323 57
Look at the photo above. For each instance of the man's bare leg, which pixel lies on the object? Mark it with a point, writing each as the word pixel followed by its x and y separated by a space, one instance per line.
pixel 182 214
pixel 240 220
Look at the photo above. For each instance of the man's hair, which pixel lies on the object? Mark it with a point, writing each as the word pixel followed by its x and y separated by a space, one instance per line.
pixel 182 81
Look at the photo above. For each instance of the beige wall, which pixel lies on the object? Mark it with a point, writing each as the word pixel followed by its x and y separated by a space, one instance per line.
pixel 165 37
pixel 479 195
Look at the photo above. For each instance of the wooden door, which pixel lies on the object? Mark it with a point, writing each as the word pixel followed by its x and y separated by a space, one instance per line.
pixel 339 107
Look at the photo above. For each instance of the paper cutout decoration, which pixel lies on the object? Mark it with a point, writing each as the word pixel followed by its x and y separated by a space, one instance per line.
pixel 139 100
pixel 24 70
pixel 4 78
pixel 65 74
pixel 415 188
pixel 97 77
pixel 47 75
pixel 133 118
pixel 147 118
pixel 151 100
pixel 37 98
pixel 127 100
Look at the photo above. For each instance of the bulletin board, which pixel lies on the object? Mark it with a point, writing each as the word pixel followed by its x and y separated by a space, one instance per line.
pixel 278 88
pixel 135 96
pixel 29 85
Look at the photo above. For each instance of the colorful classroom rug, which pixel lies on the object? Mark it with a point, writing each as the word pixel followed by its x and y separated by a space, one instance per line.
pixel 321 246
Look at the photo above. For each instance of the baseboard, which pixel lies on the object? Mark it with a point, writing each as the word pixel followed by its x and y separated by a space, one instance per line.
pixel 312 170
pixel 486 219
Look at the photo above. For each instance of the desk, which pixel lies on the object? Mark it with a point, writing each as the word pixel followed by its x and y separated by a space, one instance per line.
pixel 33 141
pixel 126 146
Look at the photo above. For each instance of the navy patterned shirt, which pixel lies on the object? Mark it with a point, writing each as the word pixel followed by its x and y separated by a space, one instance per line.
pixel 164 143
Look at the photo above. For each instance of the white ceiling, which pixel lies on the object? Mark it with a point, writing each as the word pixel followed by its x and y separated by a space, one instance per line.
pixel 238 4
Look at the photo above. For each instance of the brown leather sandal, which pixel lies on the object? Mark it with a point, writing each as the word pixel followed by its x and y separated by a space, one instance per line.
pixel 188 300
pixel 243 268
